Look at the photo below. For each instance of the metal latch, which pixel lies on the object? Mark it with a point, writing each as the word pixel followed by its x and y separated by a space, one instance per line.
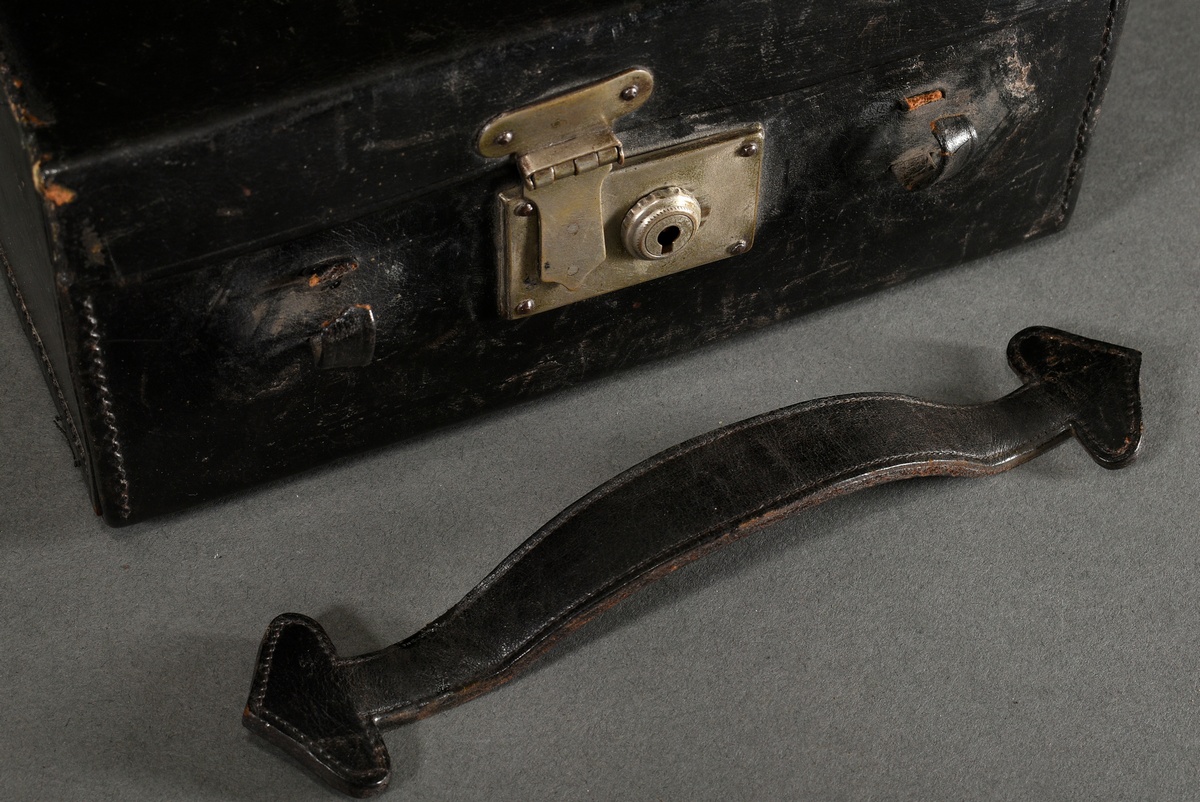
pixel 565 147
pixel 573 231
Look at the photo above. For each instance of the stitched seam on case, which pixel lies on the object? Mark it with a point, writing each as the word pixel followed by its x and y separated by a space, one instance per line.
pixel 75 440
pixel 107 416
pixel 1081 139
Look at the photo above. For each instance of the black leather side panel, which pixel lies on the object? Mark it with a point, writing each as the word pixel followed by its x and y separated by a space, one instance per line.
pixel 211 377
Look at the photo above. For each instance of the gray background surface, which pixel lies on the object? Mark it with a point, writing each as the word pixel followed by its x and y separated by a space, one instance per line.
pixel 1032 635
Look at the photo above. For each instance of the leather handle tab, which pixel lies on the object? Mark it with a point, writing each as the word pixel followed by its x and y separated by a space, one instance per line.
pixel 328 711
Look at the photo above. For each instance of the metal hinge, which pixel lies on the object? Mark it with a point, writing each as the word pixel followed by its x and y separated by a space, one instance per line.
pixel 565 148
pixel 539 178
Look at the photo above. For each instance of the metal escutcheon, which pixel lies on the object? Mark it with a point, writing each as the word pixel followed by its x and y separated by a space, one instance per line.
pixel 661 223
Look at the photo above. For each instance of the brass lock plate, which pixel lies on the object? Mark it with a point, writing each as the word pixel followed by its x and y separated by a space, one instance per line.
pixel 721 172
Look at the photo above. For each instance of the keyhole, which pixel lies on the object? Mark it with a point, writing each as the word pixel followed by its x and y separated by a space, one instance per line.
pixel 667 238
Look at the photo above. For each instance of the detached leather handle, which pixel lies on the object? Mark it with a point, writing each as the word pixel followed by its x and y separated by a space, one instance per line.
pixel 328 711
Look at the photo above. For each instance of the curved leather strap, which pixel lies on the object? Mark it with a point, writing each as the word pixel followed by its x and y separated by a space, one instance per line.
pixel 328 711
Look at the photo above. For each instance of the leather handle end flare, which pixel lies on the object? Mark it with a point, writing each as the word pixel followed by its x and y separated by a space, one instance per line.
pixel 299 703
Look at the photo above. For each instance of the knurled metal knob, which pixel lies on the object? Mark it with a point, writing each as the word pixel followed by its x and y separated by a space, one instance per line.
pixel 660 224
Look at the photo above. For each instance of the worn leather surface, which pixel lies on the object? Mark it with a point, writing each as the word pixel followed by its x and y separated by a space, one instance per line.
pixel 186 131
pixel 671 509
pixel 189 312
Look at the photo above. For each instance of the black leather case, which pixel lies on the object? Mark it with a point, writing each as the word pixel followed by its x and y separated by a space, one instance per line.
pixel 197 197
